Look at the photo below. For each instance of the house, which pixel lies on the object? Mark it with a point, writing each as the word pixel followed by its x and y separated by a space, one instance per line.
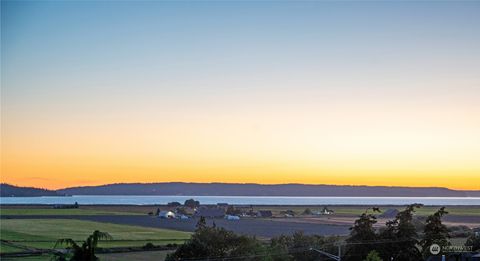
pixel 210 212
pixel 182 217
pixel 250 213
pixel 232 217
pixel 264 213
pixel 166 214
pixel 326 211
pixel 288 213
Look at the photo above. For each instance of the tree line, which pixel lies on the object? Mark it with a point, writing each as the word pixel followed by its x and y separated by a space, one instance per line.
pixel 397 240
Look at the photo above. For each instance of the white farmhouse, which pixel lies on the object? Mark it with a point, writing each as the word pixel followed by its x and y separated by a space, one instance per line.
pixel 166 214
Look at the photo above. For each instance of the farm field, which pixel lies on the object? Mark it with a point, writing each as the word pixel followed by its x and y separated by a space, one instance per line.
pixel 43 233
pixel 52 211
pixel 27 228
pixel 30 258
pixel 276 210
pixel 358 210
pixel 339 209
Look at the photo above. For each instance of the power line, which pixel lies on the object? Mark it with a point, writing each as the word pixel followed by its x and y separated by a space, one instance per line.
pixel 294 250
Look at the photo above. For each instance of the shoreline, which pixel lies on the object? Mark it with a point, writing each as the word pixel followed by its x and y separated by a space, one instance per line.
pixel 2 205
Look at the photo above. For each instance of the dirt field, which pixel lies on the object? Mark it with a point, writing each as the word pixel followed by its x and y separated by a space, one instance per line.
pixel 451 220
pixel 338 223
pixel 265 228
pixel 343 210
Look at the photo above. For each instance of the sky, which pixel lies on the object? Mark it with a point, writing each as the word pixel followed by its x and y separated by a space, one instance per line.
pixel 357 93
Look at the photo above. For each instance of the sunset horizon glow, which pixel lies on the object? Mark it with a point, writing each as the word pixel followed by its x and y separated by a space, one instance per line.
pixel 338 93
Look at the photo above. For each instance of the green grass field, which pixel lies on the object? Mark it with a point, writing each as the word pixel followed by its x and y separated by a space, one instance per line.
pixel 9 249
pixel 137 256
pixel 43 233
pixel 52 211
pixel 30 258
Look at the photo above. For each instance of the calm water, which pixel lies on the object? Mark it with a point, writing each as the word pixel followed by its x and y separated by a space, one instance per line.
pixel 239 200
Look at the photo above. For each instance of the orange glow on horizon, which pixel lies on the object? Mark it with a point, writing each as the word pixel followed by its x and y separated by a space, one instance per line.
pixel 348 146
pixel 258 173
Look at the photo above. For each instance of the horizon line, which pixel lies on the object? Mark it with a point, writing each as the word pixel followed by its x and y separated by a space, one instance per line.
pixel 241 183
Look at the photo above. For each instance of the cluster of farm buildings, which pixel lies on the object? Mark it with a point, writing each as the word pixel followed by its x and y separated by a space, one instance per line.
pixel 226 211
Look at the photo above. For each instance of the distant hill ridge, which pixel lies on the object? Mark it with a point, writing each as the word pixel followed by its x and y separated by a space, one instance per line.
pixel 239 189
pixel 251 189
pixel 7 190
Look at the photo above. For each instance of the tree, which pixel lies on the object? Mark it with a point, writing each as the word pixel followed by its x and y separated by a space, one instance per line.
pixel 388 237
pixel 181 211
pixel 279 248
pixel 301 241
pixel 231 210
pixel 85 252
pixel 174 204
pixel 434 232
pixel 399 238
pixel 201 224
pixel 307 211
pixel 191 203
pixel 373 256
pixel 217 243
pixel 362 237
pixel 407 235
pixel 474 241
pixel 298 247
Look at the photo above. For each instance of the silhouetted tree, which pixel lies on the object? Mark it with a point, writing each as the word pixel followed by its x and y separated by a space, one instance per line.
pixel 307 211
pixel 231 210
pixel 191 203
pixel 474 241
pixel 362 237
pixel 399 240
pixel 201 224
pixel 300 241
pixel 181 211
pixel 85 252
pixel 388 237
pixel 174 204
pixel 434 232
pixel 407 235
pixel 217 243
